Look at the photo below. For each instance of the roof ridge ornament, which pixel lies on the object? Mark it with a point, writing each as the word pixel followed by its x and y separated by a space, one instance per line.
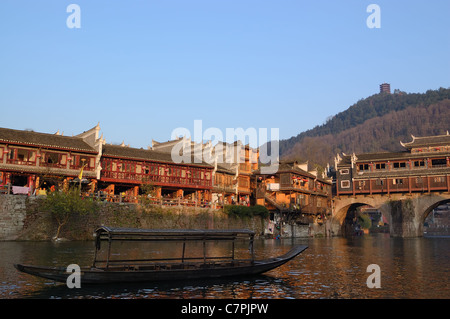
pixel 353 159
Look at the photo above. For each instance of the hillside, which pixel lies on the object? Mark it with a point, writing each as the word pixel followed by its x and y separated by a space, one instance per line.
pixel 374 124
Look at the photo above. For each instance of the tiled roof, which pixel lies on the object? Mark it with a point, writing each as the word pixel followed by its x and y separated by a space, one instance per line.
pixel 46 140
pixel 291 167
pixel 141 154
pixel 387 156
pixel 226 168
pixel 427 141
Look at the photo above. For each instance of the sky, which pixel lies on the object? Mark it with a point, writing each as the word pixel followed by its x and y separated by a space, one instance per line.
pixel 144 68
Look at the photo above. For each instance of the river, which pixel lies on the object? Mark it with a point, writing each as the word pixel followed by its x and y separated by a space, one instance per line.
pixel 330 268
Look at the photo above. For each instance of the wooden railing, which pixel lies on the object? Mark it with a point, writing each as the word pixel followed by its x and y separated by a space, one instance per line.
pixel 411 184
pixel 127 176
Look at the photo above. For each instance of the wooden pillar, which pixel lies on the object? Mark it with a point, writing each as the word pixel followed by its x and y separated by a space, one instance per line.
pixel 370 186
pixel 409 184
pixel 136 193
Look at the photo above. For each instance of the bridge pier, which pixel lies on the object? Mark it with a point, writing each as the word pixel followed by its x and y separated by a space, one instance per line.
pixel 404 221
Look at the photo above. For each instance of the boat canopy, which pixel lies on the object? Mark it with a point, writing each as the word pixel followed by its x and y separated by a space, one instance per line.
pixel 112 233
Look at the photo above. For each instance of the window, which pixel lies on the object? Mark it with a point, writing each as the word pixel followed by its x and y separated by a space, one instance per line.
pixel 21 156
pixel 345 184
pixel 439 162
pixel 380 166
pixel 363 167
pixel 379 182
pixel 439 179
pixel 285 179
pixel 397 181
pixel 399 165
pixel 63 159
pixel 12 154
pixel 51 158
pixel 108 166
pixel 79 160
pixel 420 163
pixel 88 161
pixel 344 171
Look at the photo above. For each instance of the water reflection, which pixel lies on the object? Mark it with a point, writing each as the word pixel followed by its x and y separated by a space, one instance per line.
pixel 329 268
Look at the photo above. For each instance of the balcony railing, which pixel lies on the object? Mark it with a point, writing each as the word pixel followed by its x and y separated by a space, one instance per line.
pixel 140 178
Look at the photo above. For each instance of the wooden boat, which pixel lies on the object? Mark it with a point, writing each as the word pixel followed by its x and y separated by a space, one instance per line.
pixel 111 270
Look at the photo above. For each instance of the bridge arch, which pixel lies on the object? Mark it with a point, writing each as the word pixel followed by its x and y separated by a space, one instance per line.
pixel 345 209
pixel 428 210
pixel 405 213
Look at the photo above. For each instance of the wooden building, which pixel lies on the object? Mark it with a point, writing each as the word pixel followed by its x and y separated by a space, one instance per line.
pixel 293 189
pixel 423 166
pixel 241 161
pixel 31 161
pixel 233 163
pixel 224 188
pixel 126 169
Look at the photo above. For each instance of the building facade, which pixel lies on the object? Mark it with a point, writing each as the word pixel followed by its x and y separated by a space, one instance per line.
pixel 34 163
pixel 423 166
pixel 293 189
pixel 31 161
pixel 224 174
pixel 126 169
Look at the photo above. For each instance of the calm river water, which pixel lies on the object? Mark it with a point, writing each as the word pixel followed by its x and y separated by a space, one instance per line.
pixel 330 268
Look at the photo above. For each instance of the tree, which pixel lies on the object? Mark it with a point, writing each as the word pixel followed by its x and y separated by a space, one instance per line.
pixel 64 204
pixel 364 221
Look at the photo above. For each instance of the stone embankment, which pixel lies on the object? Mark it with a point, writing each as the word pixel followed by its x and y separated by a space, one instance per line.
pixel 12 216
pixel 21 218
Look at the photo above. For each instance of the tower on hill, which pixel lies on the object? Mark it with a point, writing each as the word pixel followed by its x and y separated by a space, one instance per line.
pixel 385 88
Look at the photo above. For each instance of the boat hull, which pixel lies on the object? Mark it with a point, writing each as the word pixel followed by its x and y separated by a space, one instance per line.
pixel 99 276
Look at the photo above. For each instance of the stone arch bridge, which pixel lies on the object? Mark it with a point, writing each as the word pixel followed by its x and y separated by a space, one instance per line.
pixel 406 213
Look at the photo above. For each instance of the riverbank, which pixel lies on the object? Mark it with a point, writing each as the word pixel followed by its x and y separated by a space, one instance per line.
pixel 22 219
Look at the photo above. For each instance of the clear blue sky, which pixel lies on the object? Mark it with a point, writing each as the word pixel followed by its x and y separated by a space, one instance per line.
pixel 144 67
